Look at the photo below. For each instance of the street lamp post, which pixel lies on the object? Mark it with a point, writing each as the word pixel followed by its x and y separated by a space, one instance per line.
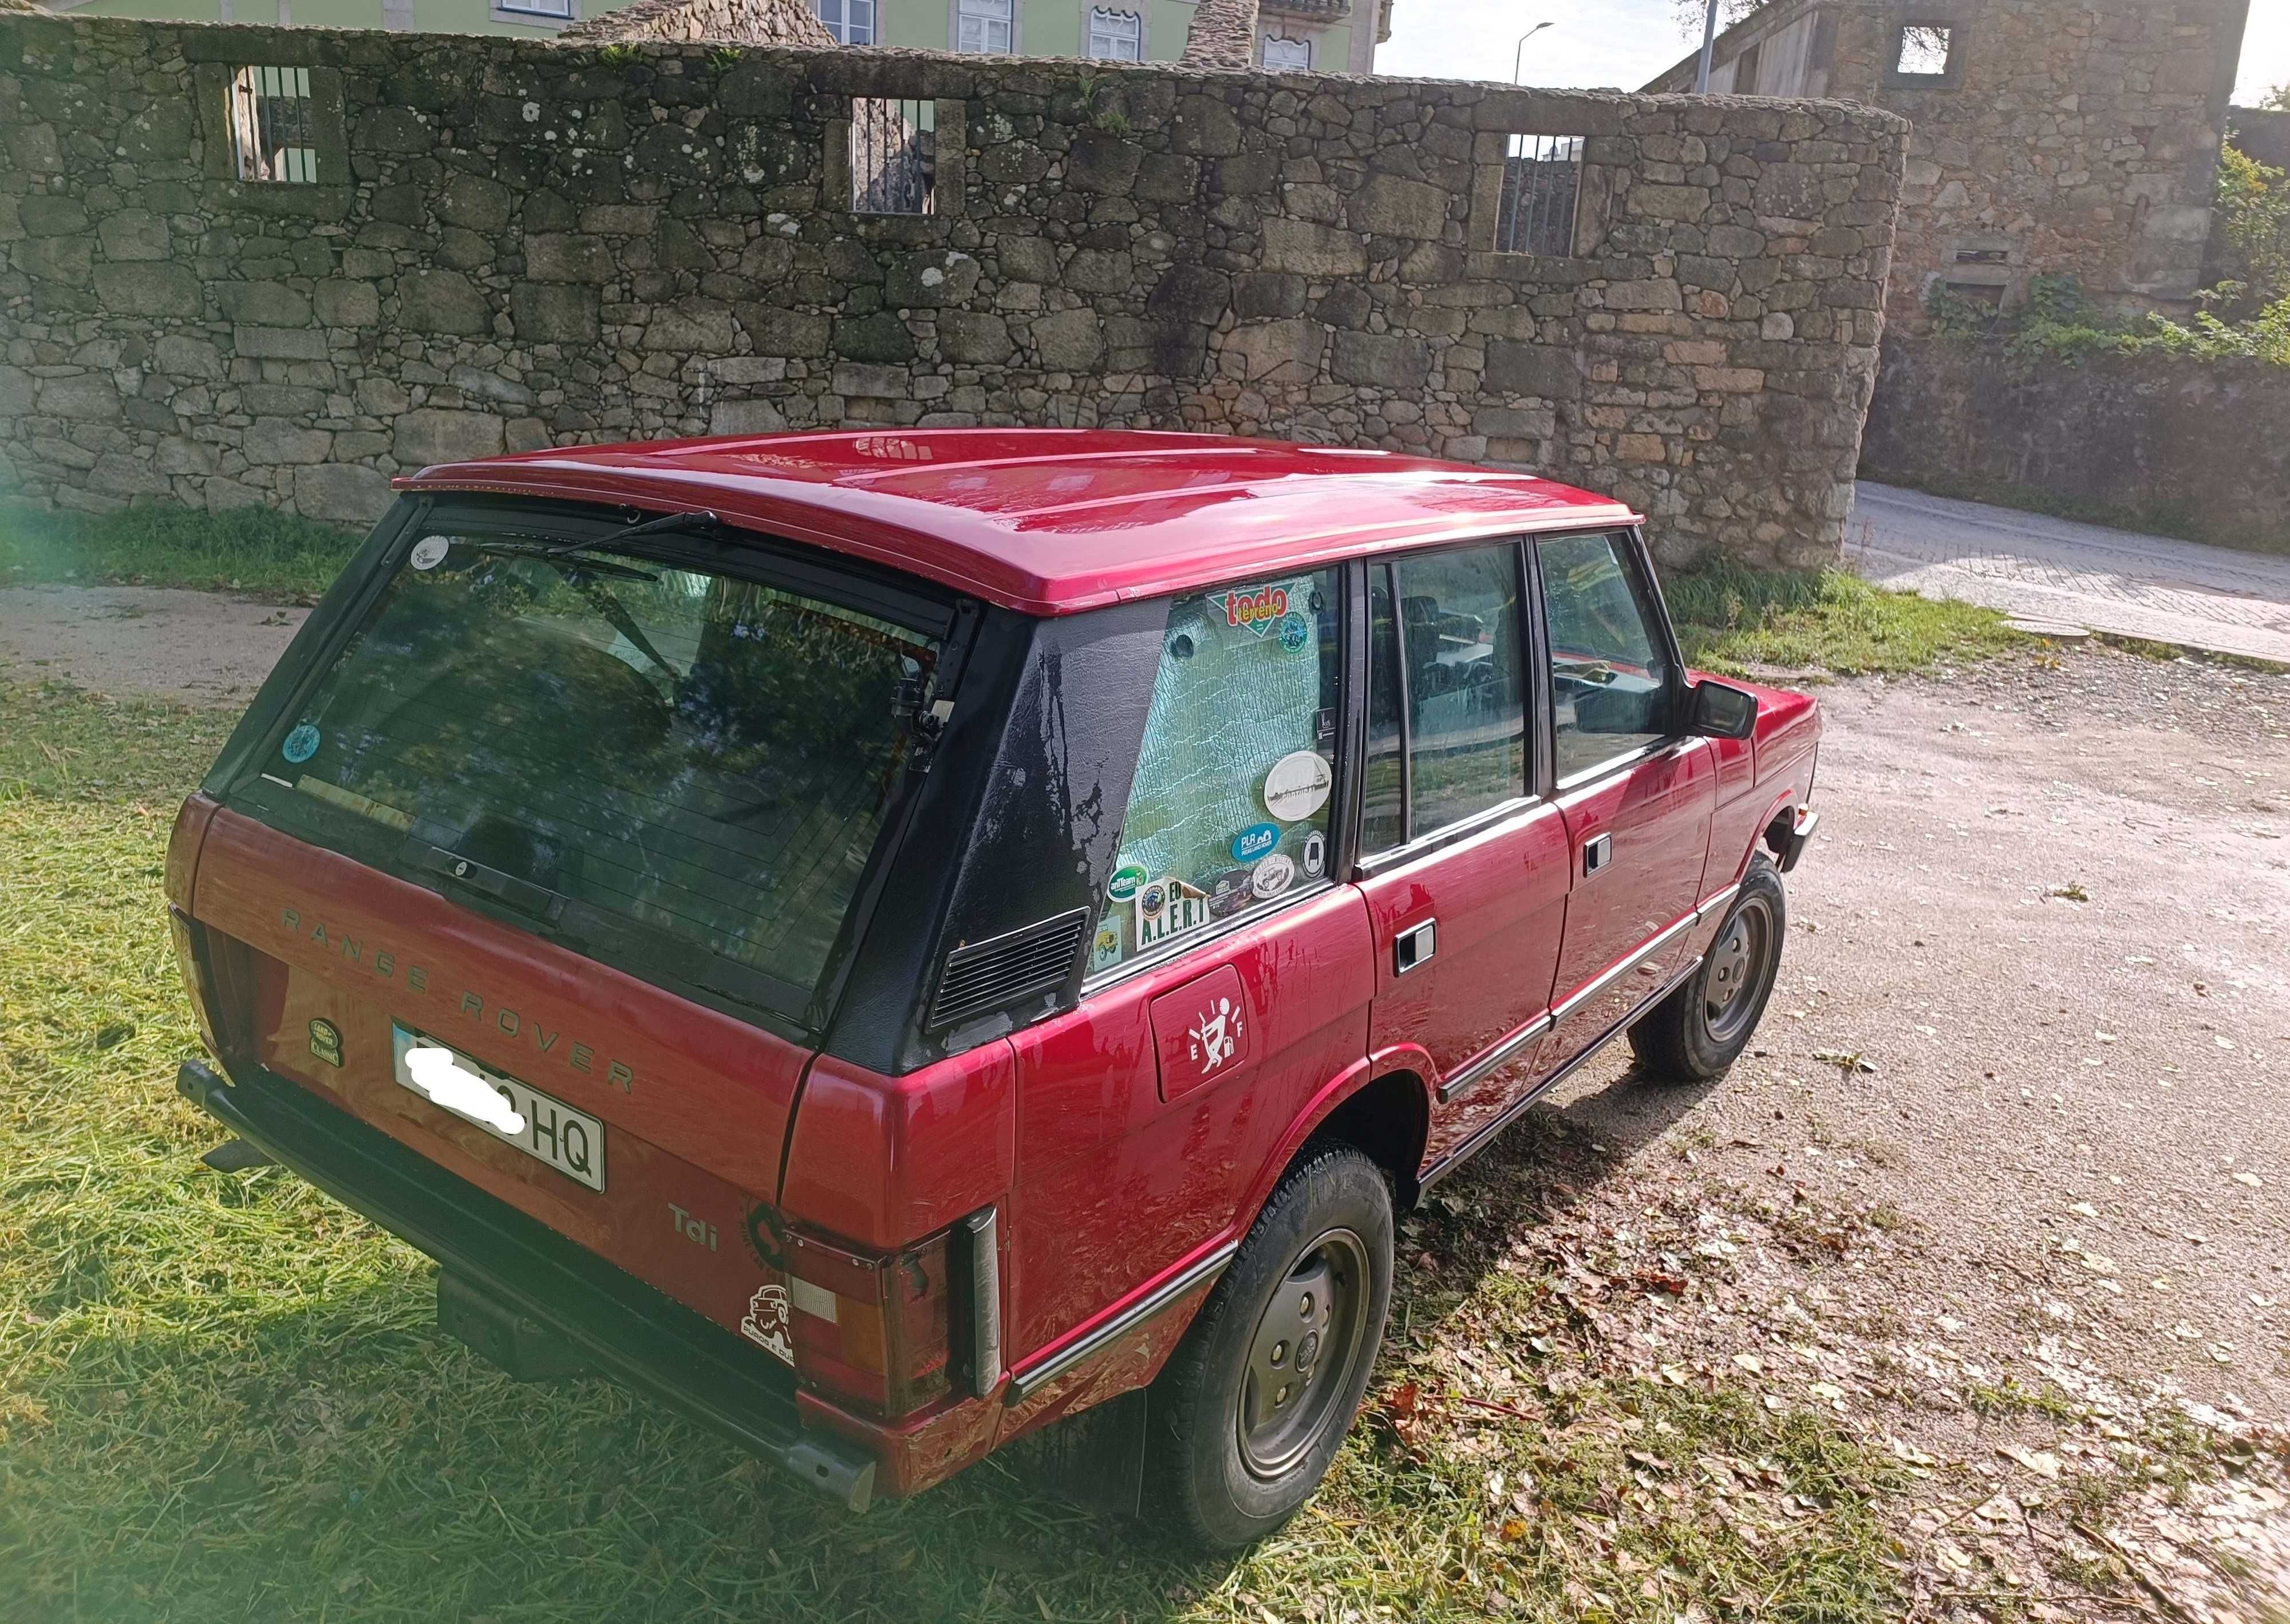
pixel 1518 57
pixel 1709 48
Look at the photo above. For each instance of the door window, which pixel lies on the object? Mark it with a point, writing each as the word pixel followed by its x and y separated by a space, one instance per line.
pixel 1609 673
pixel 1466 720
pixel 1229 807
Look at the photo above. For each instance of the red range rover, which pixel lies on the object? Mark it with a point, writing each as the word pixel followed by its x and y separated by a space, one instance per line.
pixel 884 941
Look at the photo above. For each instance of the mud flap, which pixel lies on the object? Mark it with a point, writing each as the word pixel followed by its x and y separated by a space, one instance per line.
pixel 1094 1461
pixel 527 1350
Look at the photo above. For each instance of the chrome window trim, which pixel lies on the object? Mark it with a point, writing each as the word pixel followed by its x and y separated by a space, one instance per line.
pixel 1025 1380
pixel 1616 763
pixel 1499 816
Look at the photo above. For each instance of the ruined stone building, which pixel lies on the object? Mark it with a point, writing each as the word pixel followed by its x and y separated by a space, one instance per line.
pixel 2051 136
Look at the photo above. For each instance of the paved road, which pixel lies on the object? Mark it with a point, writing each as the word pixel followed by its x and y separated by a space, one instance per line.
pixel 2110 581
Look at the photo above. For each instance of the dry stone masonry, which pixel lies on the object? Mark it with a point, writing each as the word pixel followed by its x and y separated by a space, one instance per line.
pixel 515 244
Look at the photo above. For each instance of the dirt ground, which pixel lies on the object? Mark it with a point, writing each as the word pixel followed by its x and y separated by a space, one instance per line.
pixel 2016 1123
pixel 205 648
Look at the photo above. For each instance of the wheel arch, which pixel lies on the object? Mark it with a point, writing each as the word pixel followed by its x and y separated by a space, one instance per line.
pixel 1381 1106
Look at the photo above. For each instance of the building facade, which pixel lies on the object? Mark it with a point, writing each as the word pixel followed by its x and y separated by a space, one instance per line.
pixel 1305 36
pixel 2052 137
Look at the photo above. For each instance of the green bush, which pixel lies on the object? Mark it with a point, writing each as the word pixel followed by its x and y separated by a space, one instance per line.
pixel 249 550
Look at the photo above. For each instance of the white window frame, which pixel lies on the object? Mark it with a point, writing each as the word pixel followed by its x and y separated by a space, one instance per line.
pixel 987 14
pixel 848 31
pixel 535 13
pixel 1265 51
pixel 1108 23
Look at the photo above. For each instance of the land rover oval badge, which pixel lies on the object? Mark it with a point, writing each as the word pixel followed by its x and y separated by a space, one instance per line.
pixel 326 1042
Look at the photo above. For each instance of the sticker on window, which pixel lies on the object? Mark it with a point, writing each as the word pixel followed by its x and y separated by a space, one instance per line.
pixel 1273 876
pixel 1125 880
pixel 1298 786
pixel 301 745
pixel 1169 907
pixel 1254 842
pixel 430 551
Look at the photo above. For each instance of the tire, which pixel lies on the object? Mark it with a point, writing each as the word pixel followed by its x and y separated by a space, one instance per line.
pixel 1698 1031
pixel 1225 1464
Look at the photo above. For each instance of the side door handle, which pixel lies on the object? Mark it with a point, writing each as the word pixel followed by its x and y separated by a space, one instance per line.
pixel 1413 947
pixel 1595 852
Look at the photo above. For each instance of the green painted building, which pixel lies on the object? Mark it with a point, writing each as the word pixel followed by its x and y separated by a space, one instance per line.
pixel 1323 36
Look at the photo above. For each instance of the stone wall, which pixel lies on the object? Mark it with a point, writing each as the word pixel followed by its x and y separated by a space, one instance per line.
pixel 2194 448
pixel 512 244
pixel 2075 137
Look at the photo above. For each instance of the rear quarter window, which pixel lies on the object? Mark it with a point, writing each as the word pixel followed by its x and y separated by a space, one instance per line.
pixel 1230 806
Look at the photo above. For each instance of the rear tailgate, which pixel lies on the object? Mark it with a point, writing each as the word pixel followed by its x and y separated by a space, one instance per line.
pixel 694 1104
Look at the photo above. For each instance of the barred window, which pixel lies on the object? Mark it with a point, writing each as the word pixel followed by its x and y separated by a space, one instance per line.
pixel 271 125
pixel 894 157
pixel 1542 176
pixel 1116 36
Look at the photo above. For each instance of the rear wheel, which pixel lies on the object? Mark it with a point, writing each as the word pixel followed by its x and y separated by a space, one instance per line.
pixel 1258 1397
pixel 1702 1027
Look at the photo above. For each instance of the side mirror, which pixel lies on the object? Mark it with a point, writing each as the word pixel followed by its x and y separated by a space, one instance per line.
pixel 1722 712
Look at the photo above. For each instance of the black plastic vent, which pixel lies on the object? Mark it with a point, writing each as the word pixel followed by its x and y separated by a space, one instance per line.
pixel 986 975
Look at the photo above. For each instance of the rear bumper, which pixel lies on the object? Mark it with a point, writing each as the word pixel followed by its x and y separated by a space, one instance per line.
pixel 622 1327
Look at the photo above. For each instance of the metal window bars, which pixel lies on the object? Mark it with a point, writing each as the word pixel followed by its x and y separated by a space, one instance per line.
pixel 1542 177
pixel 272 127
pixel 894 157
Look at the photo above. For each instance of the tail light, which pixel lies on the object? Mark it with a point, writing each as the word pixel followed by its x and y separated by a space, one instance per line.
pixel 218 974
pixel 871 1329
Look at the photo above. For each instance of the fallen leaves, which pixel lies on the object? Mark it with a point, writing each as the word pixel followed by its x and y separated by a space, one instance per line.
pixel 1849 1064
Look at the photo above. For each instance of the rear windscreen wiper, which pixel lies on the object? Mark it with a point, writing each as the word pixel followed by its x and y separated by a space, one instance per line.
pixel 703 519
pixel 545 546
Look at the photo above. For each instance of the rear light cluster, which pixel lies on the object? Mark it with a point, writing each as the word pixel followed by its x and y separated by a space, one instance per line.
pixel 873 1328
pixel 218 974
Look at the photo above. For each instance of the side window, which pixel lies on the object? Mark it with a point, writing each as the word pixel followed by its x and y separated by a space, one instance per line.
pixel 1230 805
pixel 1610 678
pixel 1466 720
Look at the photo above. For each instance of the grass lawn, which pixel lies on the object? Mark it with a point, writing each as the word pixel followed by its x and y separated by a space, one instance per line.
pixel 1729 617
pixel 224 1396
pixel 246 549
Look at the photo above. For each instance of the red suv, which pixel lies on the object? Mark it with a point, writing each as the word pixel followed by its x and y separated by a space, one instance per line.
pixel 884 941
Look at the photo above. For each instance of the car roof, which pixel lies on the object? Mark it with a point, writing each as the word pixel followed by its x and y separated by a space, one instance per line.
pixel 1051 520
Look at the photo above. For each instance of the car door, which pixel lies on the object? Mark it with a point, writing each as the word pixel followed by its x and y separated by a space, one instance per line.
pixel 1637 796
pixel 1464 867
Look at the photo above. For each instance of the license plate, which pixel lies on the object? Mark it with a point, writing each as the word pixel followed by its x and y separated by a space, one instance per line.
pixel 546 1129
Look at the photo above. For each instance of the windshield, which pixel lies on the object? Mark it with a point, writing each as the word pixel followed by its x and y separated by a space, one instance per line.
pixel 704 758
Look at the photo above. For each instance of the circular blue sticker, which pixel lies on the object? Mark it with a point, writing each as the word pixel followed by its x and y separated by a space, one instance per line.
pixel 1294 633
pixel 301 745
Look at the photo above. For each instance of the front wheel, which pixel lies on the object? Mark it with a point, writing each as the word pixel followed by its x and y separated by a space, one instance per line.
pixel 1258 1397
pixel 1698 1030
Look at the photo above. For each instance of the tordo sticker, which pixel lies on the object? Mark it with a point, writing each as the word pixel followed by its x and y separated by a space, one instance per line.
pixel 1298 786
pixel 1258 612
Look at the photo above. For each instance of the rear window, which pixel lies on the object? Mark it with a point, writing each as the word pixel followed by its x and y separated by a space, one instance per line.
pixel 645 758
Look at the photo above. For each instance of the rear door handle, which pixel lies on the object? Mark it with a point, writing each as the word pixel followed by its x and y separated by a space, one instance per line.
pixel 1596 850
pixel 1411 947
